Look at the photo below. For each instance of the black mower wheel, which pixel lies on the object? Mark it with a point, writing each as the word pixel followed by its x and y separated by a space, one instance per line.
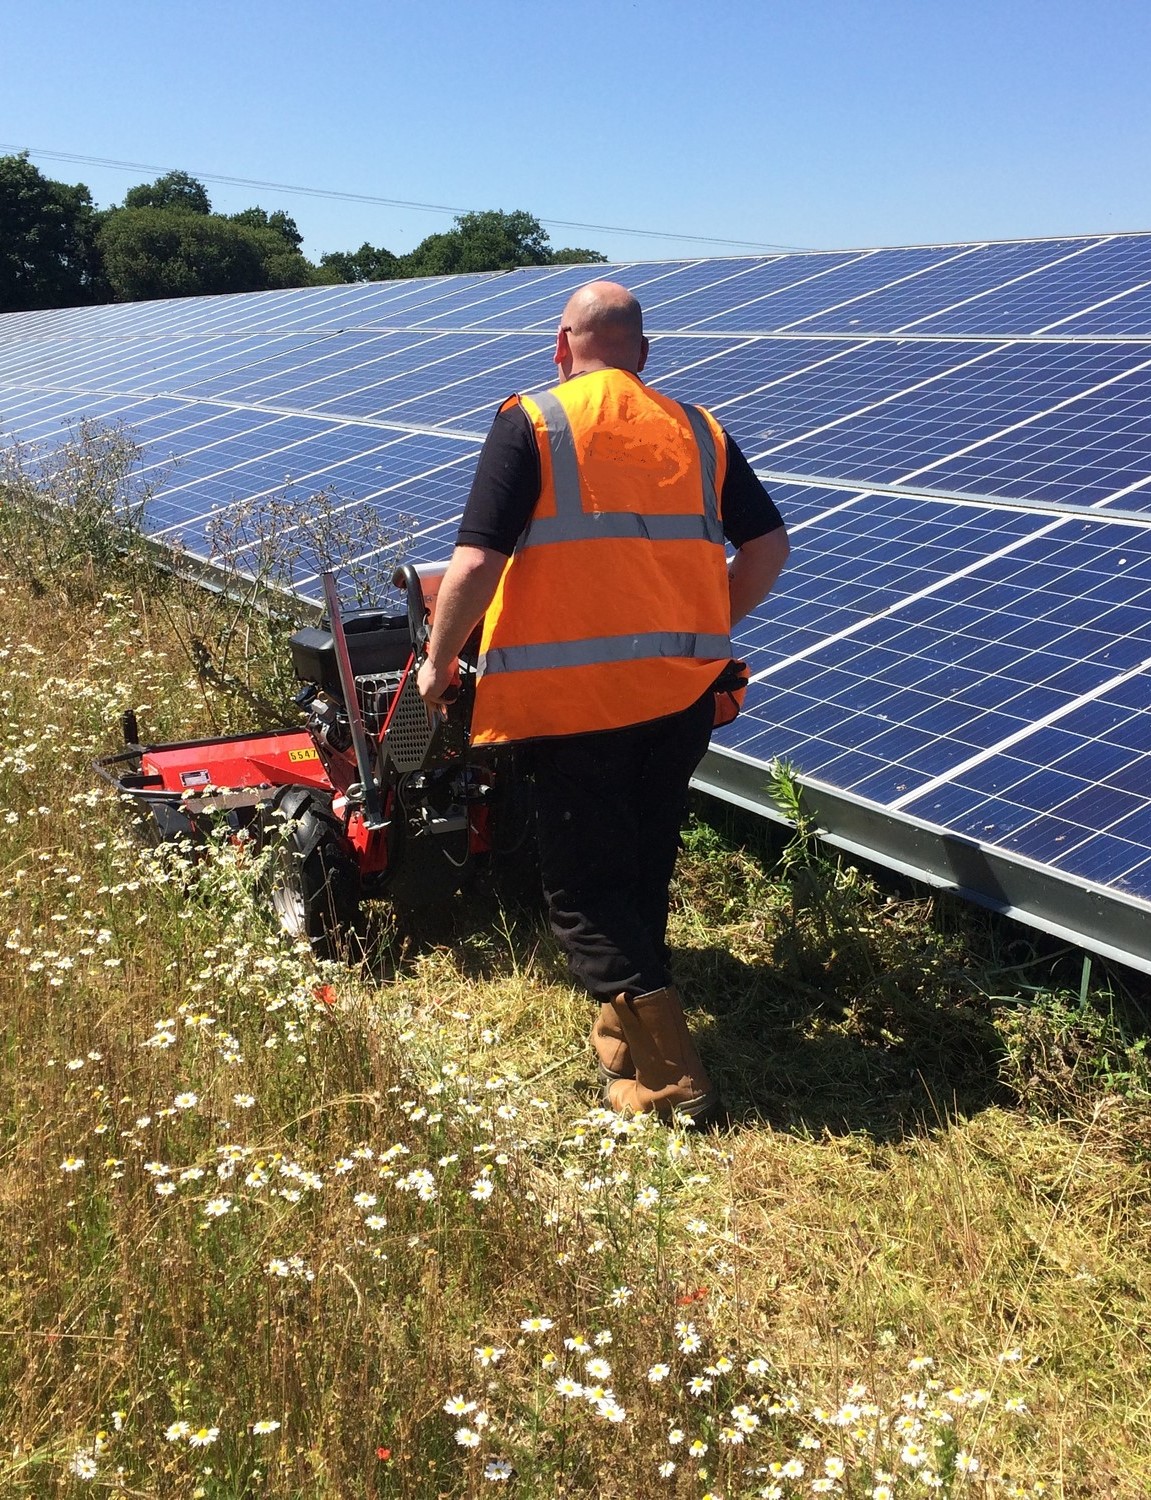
pixel 314 887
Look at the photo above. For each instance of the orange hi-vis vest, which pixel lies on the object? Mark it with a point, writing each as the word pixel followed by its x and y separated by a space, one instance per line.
pixel 614 607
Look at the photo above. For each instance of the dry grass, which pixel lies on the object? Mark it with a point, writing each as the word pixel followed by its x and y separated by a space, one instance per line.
pixel 927 1233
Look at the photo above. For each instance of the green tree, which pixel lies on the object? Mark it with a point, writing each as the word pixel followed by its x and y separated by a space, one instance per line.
pixel 368 263
pixel 491 240
pixel 174 190
pixel 259 218
pixel 573 256
pixel 48 253
pixel 163 252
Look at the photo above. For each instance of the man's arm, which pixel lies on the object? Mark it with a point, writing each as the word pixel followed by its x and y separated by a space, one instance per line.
pixel 754 569
pixel 465 592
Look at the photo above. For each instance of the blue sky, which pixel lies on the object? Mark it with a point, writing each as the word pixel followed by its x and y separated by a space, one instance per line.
pixel 812 123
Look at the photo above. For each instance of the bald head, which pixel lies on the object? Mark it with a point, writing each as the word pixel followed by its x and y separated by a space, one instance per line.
pixel 601 328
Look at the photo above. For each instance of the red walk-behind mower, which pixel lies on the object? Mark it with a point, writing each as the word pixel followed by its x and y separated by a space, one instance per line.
pixel 374 797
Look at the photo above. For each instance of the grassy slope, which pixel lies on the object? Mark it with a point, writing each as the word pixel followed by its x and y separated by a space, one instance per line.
pixel 940 1159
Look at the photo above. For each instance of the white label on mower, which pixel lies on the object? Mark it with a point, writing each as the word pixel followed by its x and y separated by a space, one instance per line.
pixel 195 778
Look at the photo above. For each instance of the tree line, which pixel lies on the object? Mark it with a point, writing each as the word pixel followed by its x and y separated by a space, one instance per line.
pixel 57 249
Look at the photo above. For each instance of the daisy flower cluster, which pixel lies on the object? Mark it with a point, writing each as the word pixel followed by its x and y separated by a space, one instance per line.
pixel 731 1427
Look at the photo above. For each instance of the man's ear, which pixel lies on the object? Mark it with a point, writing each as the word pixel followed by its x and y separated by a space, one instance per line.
pixel 644 349
pixel 563 348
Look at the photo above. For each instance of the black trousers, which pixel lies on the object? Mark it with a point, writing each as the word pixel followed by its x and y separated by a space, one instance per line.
pixel 610 807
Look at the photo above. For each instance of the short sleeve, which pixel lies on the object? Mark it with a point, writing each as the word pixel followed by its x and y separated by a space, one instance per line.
pixel 506 485
pixel 746 509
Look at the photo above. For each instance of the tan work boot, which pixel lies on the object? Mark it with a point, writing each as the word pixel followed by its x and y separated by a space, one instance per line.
pixel 670 1078
pixel 613 1060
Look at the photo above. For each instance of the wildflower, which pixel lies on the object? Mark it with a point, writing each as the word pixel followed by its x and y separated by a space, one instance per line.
pixel 365 1200
pixel 676 1436
pixel 243 1101
pixel 165 1189
pixel 666 1469
pixel 482 1189
pixel 914 1455
pixel 186 1101
pixel 620 1296
pixel 758 1366
pixel 697 1448
pixel 536 1324
pixel 730 1437
pixel 568 1387
pixel 882 1492
pixel 83 1465
pixel 71 1164
pixel 792 1469
pixel 264 1426
pixel 599 1369
pixel 203 1437
pixel 1011 1356
pixel 375 1221
pixel 965 1463
pixel 610 1409
pixel 603 1337
pixel 456 1406
pixel 658 1373
pixel 577 1344
pixel 834 1467
pixel 699 1385
pixel 696 1226
pixel 177 1431
pixel 822 1486
pixel 490 1355
pixel 497 1470
pixel 383 1454
pixel 216 1208
pixel 467 1437
pixel 920 1362
pixel 1015 1404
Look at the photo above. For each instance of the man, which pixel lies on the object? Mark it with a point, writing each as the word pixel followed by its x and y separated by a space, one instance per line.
pixel 592 547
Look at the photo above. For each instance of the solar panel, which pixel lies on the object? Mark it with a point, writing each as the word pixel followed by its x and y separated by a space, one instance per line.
pixel 957 659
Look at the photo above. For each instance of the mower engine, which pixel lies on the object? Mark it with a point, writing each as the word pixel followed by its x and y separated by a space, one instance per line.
pixel 373 797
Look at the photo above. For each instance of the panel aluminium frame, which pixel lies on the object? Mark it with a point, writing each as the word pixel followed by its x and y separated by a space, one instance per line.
pixel 1095 917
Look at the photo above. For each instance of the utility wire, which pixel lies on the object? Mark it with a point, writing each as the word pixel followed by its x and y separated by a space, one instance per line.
pixel 432 208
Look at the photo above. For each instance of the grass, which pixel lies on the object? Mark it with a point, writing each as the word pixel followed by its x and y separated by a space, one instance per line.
pixel 285 1228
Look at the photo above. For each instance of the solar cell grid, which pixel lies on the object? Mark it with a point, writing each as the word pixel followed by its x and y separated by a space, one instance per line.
pixel 332 360
pixel 507 301
pixel 972 273
pixel 1127 313
pixel 984 396
pixel 1081 277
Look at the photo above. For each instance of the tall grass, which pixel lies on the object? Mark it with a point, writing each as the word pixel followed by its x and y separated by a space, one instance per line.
pixel 279 1227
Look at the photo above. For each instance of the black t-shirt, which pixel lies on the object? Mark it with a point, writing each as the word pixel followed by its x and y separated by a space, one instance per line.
pixel 507 485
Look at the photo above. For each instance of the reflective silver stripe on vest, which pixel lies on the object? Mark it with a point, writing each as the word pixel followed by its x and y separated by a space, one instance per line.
pixel 606 648
pixel 705 442
pixel 571 523
pixel 600 525
pixel 565 467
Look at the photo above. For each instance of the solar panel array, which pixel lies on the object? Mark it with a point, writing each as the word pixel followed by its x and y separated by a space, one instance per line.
pixel 959 436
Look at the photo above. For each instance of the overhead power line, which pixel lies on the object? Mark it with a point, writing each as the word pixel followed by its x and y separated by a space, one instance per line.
pixel 431 208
